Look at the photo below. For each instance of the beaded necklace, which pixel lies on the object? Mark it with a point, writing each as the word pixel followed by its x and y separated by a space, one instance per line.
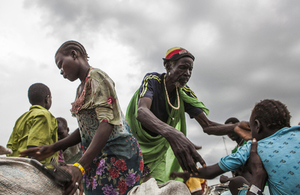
pixel 173 112
pixel 175 108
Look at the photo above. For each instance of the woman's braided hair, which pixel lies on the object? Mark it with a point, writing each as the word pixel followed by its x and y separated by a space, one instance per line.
pixel 68 46
pixel 273 113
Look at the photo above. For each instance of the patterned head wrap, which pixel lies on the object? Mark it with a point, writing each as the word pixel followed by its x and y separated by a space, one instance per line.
pixel 176 53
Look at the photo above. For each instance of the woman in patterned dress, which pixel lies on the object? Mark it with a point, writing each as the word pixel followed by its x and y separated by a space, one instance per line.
pixel 112 162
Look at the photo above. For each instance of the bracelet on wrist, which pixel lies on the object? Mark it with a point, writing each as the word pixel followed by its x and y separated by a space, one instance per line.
pixel 80 167
pixel 255 190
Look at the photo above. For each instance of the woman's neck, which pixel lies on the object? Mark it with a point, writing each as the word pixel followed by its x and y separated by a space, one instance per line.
pixel 84 72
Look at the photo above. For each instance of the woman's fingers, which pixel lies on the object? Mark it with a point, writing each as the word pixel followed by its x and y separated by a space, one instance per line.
pixel 29 152
pixel 71 189
pixel 76 180
pixel 198 158
pixel 181 161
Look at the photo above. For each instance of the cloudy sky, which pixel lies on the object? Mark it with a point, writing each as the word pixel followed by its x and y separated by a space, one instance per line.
pixel 245 51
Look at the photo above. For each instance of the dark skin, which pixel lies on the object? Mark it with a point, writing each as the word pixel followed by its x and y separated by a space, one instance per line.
pixel 62 130
pixel 242 171
pixel 72 67
pixel 243 130
pixel 259 176
pixel 185 152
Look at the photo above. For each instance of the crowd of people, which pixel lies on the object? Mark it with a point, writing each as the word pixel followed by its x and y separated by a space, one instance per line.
pixel 111 153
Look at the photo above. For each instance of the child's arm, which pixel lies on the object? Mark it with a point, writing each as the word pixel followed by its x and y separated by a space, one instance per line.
pixel 208 172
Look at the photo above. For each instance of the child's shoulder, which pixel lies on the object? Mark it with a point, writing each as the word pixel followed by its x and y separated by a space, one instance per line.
pixel 37 110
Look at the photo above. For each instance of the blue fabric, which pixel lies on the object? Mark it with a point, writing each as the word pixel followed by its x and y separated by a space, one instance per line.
pixel 280 156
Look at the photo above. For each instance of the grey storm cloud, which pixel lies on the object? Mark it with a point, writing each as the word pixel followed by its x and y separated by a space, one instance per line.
pixel 253 53
pixel 245 51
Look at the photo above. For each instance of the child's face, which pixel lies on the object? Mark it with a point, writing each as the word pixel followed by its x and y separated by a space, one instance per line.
pixel 68 66
pixel 62 131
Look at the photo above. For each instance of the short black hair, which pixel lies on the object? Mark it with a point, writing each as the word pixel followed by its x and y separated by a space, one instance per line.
pixel 273 113
pixel 37 93
pixel 232 120
pixel 68 46
pixel 62 120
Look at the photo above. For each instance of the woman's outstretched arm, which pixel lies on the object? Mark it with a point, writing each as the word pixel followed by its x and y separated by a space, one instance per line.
pixel 42 152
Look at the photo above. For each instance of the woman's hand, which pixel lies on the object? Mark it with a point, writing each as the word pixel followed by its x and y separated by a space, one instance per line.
pixel 254 162
pixel 259 174
pixel 243 130
pixel 76 180
pixel 39 153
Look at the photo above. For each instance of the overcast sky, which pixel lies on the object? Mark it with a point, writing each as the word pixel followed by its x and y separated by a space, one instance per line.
pixel 245 51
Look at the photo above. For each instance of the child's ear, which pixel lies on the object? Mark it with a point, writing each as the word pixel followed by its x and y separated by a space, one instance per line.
pixel 258 126
pixel 68 129
pixel 47 99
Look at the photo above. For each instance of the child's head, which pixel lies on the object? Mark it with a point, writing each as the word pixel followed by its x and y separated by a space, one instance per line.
pixel 267 117
pixel 62 128
pixel 231 120
pixel 69 58
pixel 39 94
pixel 233 136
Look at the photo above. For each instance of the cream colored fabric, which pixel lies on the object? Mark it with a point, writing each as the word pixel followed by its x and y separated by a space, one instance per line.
pixel 18 176
pixel 151 187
